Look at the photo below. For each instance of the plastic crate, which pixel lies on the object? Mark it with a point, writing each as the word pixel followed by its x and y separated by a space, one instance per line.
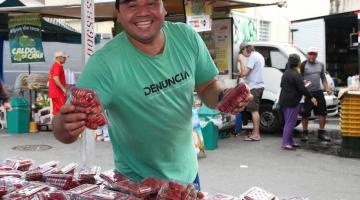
pixel 350 127
pixel 350 133
pixel 347 123
pixel 352 113
pixel 350 103
pixel 349 100
pixel 346 105
pixel 347 118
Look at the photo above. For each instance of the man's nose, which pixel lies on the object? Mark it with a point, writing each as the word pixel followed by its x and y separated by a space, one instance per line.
pixel 142 10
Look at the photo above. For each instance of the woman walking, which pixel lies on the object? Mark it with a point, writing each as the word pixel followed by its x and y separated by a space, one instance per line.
pixel 292 90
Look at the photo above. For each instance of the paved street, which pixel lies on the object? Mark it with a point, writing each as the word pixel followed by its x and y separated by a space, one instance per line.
pixel 234 167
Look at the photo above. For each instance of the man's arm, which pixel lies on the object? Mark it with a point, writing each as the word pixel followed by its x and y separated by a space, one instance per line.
pixel 58 83
pixel 244 70
pixel 324 80
pixel 209 92
pixel 212 91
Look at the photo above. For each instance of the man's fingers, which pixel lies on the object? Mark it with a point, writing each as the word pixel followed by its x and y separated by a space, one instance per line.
pixel 77 132
pixel 65 109
pixel 74 117
pixel 74 126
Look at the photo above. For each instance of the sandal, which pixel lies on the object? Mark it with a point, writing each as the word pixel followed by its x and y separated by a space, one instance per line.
pixel 296 145
pixel 251 139
pixel 288 147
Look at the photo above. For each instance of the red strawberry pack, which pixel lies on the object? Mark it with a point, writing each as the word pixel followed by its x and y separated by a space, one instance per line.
pixel 86 101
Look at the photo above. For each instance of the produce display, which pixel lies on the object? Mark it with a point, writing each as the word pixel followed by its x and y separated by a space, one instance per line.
pixel 49 182
pixel 86 101
pixel 228 102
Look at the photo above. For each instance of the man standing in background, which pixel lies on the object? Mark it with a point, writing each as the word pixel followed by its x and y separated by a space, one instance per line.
pixel 252 70
pixel 4 97
pixel 314 72
pixel 57 83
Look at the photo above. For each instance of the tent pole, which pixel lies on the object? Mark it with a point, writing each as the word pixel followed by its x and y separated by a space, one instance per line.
pixel 88 44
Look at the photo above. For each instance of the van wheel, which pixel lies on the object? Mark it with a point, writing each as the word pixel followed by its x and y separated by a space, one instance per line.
pixel 271 121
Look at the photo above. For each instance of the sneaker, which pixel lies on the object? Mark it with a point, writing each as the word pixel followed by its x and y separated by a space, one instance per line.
pixel 305 136
pixel 322 136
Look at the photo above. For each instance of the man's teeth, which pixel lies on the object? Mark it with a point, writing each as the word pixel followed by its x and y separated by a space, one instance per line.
pixel 143 24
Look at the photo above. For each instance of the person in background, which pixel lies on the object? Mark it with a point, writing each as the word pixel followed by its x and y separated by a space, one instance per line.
pixel 292 90
pixel 4 98
pixel 314 71
pixel 57 82
pixel 252 70
pixel 238 125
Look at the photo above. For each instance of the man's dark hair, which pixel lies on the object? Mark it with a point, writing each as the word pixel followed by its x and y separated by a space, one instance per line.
pixel 247 47
pixel 293 61
pixel 117 2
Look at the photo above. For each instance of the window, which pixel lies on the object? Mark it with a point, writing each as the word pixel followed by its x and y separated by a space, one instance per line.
pixel 264 31
pixel 273 57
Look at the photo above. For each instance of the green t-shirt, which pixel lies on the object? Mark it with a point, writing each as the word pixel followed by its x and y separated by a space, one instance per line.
pixel 149 100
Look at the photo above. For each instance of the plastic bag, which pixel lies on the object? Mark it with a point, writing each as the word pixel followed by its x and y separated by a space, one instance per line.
pixel 135 189
pixel 12 173
pixel 86 101
pixel 113 176
pixel 256 193
pixel 176 191
pixel 61 181
pixel 154 183
pixel 240 92
pixel 12 183
pixel 19 163
pixel 81 190
pixel 105 194
pixel 27 192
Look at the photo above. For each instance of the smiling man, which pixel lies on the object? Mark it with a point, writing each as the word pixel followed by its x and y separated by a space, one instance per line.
pixel 145 78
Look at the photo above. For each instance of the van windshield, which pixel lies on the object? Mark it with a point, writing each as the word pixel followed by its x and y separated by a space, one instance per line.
pixel 292 49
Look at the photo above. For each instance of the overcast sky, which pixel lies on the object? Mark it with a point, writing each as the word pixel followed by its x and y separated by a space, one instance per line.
pixel 300 9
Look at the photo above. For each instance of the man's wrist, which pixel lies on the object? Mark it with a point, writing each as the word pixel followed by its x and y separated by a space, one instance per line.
pixel 222 94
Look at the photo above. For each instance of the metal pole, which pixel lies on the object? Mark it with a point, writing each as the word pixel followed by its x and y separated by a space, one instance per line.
pixel 30 92
pixel 88 44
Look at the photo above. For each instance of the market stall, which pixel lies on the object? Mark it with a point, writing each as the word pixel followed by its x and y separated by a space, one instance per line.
pixel 47 181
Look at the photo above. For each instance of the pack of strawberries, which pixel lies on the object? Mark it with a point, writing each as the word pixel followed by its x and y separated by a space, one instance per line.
pixel 229 101
pixel 86 101
pixel 49 181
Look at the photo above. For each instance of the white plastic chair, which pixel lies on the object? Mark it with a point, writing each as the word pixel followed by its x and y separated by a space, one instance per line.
pixel 3 122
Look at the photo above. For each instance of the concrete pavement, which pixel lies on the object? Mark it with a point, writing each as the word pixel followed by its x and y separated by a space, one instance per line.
pixel 233 168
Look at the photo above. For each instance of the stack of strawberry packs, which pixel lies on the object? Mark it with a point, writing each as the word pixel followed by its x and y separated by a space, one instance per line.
pixel 19 179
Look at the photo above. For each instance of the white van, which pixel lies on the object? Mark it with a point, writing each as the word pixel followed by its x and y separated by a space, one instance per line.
pixel 276 56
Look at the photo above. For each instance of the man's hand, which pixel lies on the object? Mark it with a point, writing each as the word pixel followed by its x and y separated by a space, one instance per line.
pixel 314 101
pixel 69 124
pixel 329 92
pixel 64 91
pixel 7 106
pixel 241 105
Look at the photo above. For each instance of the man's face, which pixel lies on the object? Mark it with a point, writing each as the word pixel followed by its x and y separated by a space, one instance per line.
pixel 142 19
pixel 312 56
pixel 61 59
pixel 245 53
